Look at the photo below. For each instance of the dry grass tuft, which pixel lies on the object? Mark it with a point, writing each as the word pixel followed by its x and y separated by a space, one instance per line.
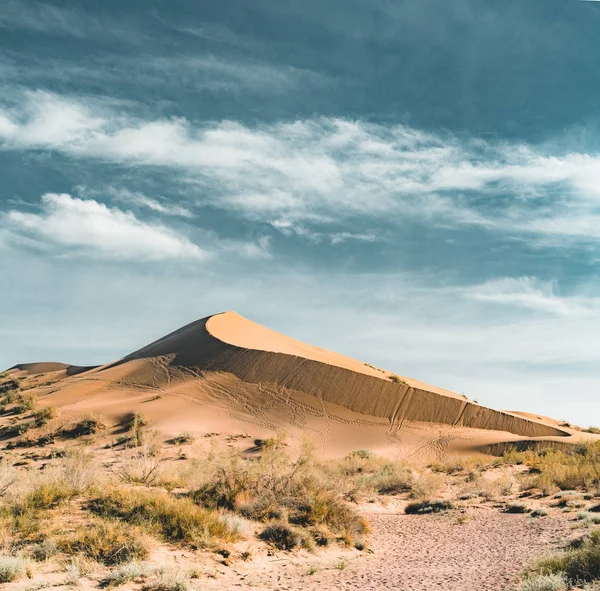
pixel 108 542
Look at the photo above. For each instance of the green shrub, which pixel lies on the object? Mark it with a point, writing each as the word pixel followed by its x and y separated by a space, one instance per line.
pixel 516 507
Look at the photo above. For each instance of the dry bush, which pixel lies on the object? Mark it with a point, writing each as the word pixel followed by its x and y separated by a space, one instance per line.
pixel 427 506
pixel 274 487
pixel 577 468
pixel 175 519
pixel 129 572
pixel 426 485
pixel 550 582
pixel 579 564
pixel 286 537
pixel 108 542
pixel 143 466
pixel 166 581
pixel 11 568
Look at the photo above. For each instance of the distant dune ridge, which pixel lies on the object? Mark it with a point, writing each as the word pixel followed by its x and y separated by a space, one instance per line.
pixel 229 376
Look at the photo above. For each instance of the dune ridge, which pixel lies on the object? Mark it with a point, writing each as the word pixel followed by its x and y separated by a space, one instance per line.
pixel 208 345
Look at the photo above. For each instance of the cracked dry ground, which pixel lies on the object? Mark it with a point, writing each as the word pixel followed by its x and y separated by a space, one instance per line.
pixel 426 552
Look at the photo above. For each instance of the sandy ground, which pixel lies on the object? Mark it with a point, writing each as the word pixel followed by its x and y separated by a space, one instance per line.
pixel 488 552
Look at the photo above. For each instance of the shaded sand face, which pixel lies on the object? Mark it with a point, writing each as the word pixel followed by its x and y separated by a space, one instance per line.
pixel 225 374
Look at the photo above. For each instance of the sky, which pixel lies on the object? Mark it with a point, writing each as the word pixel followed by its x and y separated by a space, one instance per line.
pixel 413 183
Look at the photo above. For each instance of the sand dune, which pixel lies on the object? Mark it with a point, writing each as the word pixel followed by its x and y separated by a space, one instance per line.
pixel 225 374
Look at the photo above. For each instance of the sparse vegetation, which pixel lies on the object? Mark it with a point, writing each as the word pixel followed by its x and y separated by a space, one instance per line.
pixel 427 506
pixel 580 563
pixel 398 380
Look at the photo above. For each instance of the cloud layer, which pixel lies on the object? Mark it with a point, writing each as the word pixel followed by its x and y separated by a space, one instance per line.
pixel 315 172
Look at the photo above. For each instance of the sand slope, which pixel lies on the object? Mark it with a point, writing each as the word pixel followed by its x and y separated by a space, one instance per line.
pixel 225 374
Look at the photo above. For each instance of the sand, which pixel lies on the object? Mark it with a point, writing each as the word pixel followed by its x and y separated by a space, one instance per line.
pixel 225 374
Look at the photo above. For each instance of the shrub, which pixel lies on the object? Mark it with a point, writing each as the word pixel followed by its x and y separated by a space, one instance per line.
pixel 166 581
pixel 362 453
pixel 128 572
pixel 109 542
pixel 284 536
pixel 593 430
pixel 539 512
pixel 143 467
pixel 42 416
pixel 427 506
pixel 17 429
pixel 44 550
pixel 175 519
pixel 398 380
pixel 26 402
pixel 516 507
pixel 580 563
pixel 11 568
pixel 589 517
pixel 553 582
pixel 183 438
pixel 50 494
pixel 89 425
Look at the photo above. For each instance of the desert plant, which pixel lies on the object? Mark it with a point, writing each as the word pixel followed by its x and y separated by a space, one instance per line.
pixel 108 542
pixel 166 581
pixel 44 550
pixel 50 494
pixel 174 519
pixel 129 572
pixel 427 506
pixel 11 568
pixel 539 512
pixel 183 438
pixel 42 416
pixel 142 467
pixel 284 536
pixel 516 507
pixel 552 582
pixel 579 563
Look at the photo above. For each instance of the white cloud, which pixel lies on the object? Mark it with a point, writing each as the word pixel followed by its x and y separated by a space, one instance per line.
pixel 93 227
pixel 308 173
pixel 533 294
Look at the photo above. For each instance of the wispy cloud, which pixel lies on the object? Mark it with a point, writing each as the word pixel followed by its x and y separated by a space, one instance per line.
pixel 90 227
pixel 42 17
pixel 311 172
pixel 533 294
pixel 137 198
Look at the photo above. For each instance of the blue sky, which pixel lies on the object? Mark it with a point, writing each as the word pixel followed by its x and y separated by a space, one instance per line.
pixel 415 184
